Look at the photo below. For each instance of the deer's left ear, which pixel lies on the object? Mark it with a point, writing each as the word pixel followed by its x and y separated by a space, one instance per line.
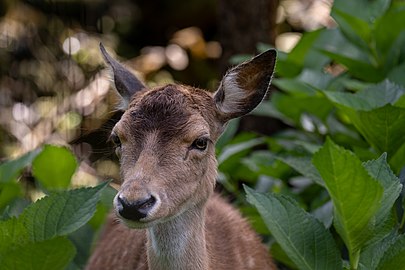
pixel 244 86
pixel 125 82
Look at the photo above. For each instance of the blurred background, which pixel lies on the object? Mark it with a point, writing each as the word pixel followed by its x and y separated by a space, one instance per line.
pixel 53 85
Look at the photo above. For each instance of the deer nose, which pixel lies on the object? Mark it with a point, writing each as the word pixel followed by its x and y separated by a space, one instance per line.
pixel 134 210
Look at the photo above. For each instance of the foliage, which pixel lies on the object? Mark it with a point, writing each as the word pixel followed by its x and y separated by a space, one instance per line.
pixel 336 175
pixel 39 237
pixel 333 179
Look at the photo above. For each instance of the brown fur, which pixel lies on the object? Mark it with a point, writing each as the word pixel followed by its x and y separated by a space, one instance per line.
pixel 232 243
pixel 185 226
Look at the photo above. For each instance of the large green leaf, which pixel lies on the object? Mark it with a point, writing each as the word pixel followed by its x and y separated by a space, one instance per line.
pixel 61 213
pixel 32 241
pixel 355 194
pixel 381 123
pixel 54 167
pixel 50 254
pixel 305 240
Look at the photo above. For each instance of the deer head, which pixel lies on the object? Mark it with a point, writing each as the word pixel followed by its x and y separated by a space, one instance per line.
pixel 166 138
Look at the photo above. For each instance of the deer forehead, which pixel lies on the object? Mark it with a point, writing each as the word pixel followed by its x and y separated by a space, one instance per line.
pixel 171 112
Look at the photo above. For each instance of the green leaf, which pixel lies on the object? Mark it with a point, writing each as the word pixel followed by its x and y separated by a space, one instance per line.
pixel 396 75
pixel 12 232
pixel 306 84
pixel 54 167
pixel 304 166
pixel 263 163
pixel 61 213
pixel 392 59
pixel 355 29
pixel 397 160
pixel 294 86
pixel 372 255
pixel 305 240
pixel 370 98
pixel 278 254
pixel 11 169
pixel 367 10
pixel 82 240
pixel 355 194
pixel 388 29
pixel 8 192
pixel 228 134
pixel 356 67
pixel 381 123
pixel 314 105
pixel 103 208
pixel 50 254
pixel 315 79
pixel 233 149
pixel 394 257
pixel 306 53
pixel 380 170
pixel 268 109
pixel 382 128
pixel 384 220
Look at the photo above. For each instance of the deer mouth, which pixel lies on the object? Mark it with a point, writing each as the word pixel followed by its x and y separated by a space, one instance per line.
pixel 137 213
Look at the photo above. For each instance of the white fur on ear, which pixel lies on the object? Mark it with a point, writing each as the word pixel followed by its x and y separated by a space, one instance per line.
pixel 234 93
pixel 244 86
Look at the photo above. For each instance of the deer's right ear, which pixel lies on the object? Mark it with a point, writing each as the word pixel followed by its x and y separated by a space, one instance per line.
pixel 244 86
pixel 125 82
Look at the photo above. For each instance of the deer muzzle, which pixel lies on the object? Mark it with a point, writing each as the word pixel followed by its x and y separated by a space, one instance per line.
pixel 134 210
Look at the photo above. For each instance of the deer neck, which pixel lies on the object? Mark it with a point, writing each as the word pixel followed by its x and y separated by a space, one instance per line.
pixel 179 243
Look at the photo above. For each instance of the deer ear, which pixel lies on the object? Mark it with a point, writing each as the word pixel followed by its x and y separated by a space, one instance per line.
pixel 244 86
pixel 125 82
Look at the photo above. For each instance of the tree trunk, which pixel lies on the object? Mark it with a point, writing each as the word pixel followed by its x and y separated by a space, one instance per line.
pixel 242 25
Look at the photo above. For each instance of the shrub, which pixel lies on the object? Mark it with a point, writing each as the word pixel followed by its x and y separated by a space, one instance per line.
pixel 49 233
pixel 336 200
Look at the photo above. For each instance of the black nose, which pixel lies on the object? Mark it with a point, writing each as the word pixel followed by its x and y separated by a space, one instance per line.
pixel 134 210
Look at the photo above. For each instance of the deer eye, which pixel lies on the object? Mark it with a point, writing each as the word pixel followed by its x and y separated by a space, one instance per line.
pixel 115 139
pixel 200 144
pixel 117 143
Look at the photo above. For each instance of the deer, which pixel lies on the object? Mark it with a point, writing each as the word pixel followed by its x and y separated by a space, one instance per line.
pixel 167 215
